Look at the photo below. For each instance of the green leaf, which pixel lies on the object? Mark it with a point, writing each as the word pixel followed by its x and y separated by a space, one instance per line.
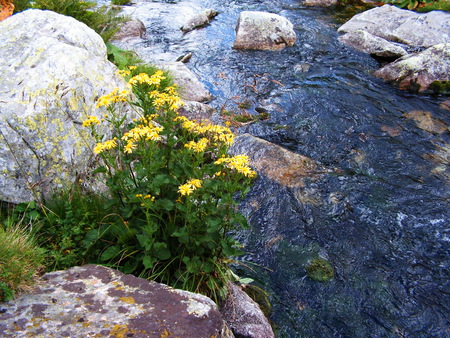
pixel 100 170
pixel 148 262
pixel 110 253
pixel 246 280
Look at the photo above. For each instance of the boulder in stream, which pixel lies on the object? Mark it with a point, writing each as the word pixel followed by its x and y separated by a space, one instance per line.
pixel 96 301
pixel 418 71
pixel 199 20
pixel 263 31
pixel 54 68
pixel 130 30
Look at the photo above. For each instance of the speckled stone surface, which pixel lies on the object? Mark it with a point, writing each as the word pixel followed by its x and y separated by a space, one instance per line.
pixel 95 301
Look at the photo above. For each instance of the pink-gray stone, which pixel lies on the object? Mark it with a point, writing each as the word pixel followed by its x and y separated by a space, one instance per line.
pixel 95 301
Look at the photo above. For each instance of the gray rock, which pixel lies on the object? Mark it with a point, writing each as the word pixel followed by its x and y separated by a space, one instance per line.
pixel 95 301
pixel 418 71
pixel 371 44
pixel 196 111
pixel 244 316
pixel 130 30
pixel 399 25
pixel 263 31
pixel 199 20
pixel 53 70
pixel 191 89
pixel 320 3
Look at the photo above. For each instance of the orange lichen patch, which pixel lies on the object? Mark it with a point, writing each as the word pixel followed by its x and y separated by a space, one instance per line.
pixel 118 331
pixel 426 122
pixel 164 334
pixel 6 9
pixel 392 131
pixel 128 300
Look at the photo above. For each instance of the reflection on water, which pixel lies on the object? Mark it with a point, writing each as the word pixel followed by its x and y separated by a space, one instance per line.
pixel 380 218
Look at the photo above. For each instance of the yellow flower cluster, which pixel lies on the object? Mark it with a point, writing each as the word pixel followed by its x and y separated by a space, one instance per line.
pixel 145 198
pixel 215 132
pixel 107 145
pixel 239 163
pixel 155 79
pixel 146 130
pixel 199 146
pixel 113 97
pixel 189 187
pixel 91 120
pixel 168 99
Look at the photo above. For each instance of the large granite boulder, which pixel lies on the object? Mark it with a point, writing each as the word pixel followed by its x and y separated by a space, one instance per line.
pixel 95 301
pixel 53 69
pixel 390 32
pixel 398 25
pixel 417 71
pixel 263 31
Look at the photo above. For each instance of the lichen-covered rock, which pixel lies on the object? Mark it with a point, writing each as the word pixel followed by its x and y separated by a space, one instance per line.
pixel 263 31
pixel 244 316
pixel 95 301
pixel 199 20
pixel 191 89
pixel 371 44
pixel 399 25
pixel 276 163
pixel 417 71
pixel 53 69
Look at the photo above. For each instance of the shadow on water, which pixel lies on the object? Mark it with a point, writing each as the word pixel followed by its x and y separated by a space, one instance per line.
pixel 381 218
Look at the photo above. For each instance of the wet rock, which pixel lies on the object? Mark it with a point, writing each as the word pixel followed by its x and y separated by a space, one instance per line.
pixel 130 30
pixel 244 316
pixel 445 105
pixel 92 300
pixel 199 20
pixel 278 164
pixel 427 122
pixel 191 89
pixel 371 44
pixel 320 3
pixel 51 78
pixel 417 71
pixel 398 25
pixel 263 31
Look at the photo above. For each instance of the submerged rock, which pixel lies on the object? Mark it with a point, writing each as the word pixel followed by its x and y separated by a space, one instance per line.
pixel 418 71
pixel 320 3
pixel 130 30
pixel 263 31
pixel 199 20
pixel 97 301
pixel 54 68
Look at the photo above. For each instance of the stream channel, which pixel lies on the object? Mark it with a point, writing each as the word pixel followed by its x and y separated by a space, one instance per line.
pixel 380 217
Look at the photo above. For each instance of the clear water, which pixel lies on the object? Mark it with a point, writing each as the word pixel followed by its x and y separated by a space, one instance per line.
pixel 381 217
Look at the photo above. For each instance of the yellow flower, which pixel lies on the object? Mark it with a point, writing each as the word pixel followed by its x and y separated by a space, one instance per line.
pixel 199 146
pixel 194 183
pixel 91 120
pixel 130 146
pixel 107 145
pixel 132 67
pixel 185 189
pixel 113 97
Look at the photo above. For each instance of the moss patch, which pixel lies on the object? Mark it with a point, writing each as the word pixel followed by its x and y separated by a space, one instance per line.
pixel 320 270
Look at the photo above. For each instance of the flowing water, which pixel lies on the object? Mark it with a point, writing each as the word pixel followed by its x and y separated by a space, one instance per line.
pixel 381 218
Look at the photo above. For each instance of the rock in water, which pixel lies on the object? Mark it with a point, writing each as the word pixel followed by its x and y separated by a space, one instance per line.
pixel 418 71
pixel 54 68
pixel 263 31
pixel 199 20
pixel 95 301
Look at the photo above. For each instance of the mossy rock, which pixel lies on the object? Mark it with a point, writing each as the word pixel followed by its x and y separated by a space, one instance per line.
pixel 261 297
pixel 320 270
pixel 441 87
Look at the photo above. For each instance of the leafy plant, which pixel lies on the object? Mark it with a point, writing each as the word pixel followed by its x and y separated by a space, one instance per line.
pixel 173 185
pixel 409 4
pixel 20 260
